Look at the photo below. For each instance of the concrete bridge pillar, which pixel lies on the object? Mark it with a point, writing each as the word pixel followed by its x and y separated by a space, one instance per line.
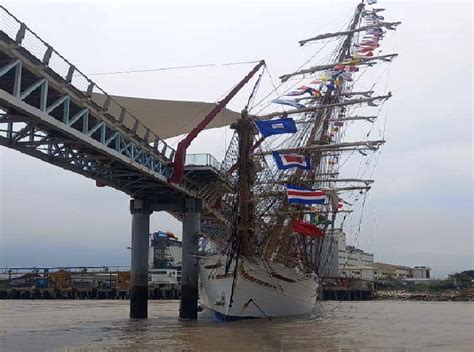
pixel 189 272
pixel 139 265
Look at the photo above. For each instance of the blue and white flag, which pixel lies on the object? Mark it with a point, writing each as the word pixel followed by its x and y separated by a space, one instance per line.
pixel 289 102
pixel 278 126
pixel 330 86
pixel 295 93
pixel 305 195
pixel 302 90
pixel 288 161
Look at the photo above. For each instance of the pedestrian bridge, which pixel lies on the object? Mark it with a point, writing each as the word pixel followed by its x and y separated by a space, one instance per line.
pixel 52 111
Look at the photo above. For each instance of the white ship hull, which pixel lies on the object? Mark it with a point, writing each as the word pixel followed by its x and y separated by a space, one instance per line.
pixel 261 289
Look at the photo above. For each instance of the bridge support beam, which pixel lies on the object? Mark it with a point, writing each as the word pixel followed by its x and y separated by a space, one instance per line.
pixel 139 265
pixel 188 308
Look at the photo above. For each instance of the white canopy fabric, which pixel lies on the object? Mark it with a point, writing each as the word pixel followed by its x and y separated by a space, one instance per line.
pixel 170 118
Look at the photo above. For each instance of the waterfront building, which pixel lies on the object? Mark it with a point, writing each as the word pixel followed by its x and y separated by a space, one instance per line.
pixel 358 264
pixel 349 256
pixel 420 272
pixel 359 272
pixel 386 272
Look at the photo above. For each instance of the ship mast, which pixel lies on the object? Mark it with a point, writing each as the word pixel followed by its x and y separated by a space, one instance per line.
pixel 254 199
pixel 277 241
pixel 344 52
pixel 246 180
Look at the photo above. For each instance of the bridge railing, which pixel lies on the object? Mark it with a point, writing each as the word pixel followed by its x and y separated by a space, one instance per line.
pixel 204 159
pixel 61 67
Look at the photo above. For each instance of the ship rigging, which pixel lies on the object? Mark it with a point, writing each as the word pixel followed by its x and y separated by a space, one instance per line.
pixel 283 168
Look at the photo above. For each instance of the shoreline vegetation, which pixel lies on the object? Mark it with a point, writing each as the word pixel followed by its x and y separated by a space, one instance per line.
pixel 457 287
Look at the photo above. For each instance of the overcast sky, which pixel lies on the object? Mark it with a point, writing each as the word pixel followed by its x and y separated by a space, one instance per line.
pixel 419 211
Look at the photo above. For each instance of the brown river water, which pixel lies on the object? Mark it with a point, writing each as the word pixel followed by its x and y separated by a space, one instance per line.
pixel 335 326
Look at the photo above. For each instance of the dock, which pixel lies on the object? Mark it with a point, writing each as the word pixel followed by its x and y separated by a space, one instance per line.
pixel 76 283
pixel 156 293
pixel 346 289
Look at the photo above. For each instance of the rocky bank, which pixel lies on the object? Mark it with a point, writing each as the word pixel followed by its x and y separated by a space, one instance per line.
pixel 461 295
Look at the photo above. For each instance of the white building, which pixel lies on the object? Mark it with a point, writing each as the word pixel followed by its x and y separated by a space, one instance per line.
pixel 386 272
pixel 356 263
pixel 420 272
pixel 163 276
pixel 350 256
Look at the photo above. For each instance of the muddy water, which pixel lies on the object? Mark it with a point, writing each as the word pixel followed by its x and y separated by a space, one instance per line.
pixel 345 326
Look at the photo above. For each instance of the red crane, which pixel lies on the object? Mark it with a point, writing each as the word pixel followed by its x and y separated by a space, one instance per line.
pixel 178 164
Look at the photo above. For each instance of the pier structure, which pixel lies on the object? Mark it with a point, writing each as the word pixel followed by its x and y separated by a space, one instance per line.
pixel 139 266
pixel 52 111
pixel 190 210
pixel 106 282
pixel 189 281
pixel 346 289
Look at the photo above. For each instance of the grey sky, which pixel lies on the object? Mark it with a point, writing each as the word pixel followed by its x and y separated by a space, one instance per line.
pixel 418 213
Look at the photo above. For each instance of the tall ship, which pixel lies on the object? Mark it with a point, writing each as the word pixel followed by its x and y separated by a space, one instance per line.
pixel 286 193
pixel 268 213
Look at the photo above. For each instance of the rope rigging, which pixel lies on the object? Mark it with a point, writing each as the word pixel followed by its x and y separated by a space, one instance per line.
pixel 260 186
pixel 169 68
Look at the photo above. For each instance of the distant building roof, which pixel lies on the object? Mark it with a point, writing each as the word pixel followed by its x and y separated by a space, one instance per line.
pixel 385 266
pixel 390 266
pixel 353 249
pixel 361 267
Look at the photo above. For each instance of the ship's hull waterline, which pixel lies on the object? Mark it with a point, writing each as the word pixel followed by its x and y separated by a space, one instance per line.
pixel 256 290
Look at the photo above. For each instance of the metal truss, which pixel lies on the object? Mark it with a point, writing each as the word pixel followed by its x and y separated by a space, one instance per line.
pixel 38 140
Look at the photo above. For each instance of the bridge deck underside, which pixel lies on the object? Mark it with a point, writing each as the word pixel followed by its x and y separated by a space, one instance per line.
pixel 27 134
pixel 24 132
